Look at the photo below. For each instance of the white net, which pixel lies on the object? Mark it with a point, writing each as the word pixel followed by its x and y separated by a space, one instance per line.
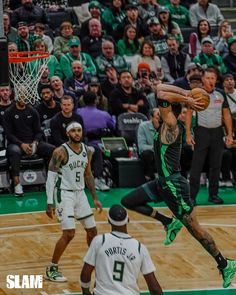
pixel 25 76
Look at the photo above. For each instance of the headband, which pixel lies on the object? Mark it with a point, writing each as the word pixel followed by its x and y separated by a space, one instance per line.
pixel 73 125
pixel 118 223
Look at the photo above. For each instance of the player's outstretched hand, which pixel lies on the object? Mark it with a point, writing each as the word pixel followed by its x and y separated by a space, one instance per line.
pixel 50 211
pixel 195 104
pixel 98 205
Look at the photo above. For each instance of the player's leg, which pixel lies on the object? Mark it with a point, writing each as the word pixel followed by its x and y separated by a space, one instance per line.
pixel 138 200
pixel 65 214
pixel 226 266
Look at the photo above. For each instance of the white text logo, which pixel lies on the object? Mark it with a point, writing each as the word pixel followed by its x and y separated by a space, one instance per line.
pixel 24 281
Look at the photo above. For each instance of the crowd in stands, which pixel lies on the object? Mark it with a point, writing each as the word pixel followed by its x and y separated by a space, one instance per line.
pixel 107 62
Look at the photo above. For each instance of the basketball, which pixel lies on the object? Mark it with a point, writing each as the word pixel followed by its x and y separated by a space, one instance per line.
pixel 201 93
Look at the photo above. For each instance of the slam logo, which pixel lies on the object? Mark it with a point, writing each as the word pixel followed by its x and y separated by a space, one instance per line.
pixel 24 281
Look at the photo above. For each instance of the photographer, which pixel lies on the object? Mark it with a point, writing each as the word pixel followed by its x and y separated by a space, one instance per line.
pixel 144 78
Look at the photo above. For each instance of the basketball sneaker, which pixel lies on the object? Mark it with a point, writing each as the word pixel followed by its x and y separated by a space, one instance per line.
pixel 18 190
pixel 171 231
pixel 228 272
pixel 54 275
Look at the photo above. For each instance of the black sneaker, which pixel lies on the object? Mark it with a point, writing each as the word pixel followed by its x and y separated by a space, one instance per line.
pixel 215 200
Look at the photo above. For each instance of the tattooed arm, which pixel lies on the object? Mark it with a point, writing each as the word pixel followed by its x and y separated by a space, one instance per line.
pixel 169 128
pixel 89 179
pixel 59 156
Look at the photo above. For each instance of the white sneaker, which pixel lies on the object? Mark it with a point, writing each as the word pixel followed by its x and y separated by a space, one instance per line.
pixel 222 183
pixel 18 190
pixel 228 183
pixel 100 185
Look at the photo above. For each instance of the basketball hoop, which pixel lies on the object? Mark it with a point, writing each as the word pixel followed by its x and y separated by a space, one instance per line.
pixel 25 71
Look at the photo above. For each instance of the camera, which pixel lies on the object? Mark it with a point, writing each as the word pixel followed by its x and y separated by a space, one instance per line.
pixel 144 74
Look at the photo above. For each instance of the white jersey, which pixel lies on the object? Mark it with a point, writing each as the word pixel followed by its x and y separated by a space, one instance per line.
pixel 71 174
pixel 118 259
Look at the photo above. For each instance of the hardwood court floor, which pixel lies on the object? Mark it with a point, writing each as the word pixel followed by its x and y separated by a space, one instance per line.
pixel 27 241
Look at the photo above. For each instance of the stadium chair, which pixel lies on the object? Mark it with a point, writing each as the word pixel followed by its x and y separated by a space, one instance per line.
pixel 186 33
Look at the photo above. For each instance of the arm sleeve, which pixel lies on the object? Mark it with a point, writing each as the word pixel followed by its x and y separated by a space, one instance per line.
pixel 37 126
pixel 9 129
pixel 193 17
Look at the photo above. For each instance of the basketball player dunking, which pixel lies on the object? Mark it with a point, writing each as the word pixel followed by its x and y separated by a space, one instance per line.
pixel 171 187
pixel 69 169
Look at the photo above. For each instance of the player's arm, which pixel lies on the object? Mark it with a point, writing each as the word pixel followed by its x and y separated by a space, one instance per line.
pixel 153 285
pixel 85 278
pixel 58 157
pixel 89 179
pixel 169 128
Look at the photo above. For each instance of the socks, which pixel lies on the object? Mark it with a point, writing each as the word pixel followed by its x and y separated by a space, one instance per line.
pixel 221 261
pixel 160 217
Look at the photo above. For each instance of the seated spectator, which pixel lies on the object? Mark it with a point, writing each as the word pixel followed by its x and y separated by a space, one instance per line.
pixel 205 10
pixel 60 121
pixel 144 78
pixel 39 30
pixel 95 87
pixel 175 62
pixel 208 58
pixel 44 79
pixel 178 13
pixel 132 18
pixel 76 54
pixel 157 36
pixel 230 91
pixel 145 135
pixel 59 91
pixel 114 15
pixel 92 43
pixel 9 32
pixel 53 65
pixel 25 40
pixel 195 39
pixel 24 137
pixel 61 42
pixel 5 100
pixel 110 82
pixel 108 56
pixel 147 55
pixel 78 82
pixel 29 13
pixel 221 42
pixel 147 9
pixel 48 107
pixel 170 27
pixel 230 58
pixel 129 45
pixel 125 98
pixel 192 70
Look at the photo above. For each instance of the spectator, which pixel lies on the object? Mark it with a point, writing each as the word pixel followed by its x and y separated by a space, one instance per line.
pixel 5 101
pixel 147 9
pixel 195 39
pixel 39 31
pixel 60 121
pixel 59 91
pixel 208 138
pixel 92 43
pixel 78 82
pixel 192 70
pixel 178 13
pixel 230 91
pixel 9 31
pixel 175 62
pixel 157 36
pixel 147 55
pixel 144 79
pixel 145 135
pixel 53 65
pixel 76 54
pixel 125 98
pixel 109 57
pixel 230 58
pixel 44 79
pixel 61 42
pixel 205 10
pixel 208 58
pixel 25 40
pixel 29 13
pixel 24 137
pixel 221 42
pixel 48 107
pixel 110 82
pixel 170 27
pixel 95 87
pixel 129 45
pixel 114 15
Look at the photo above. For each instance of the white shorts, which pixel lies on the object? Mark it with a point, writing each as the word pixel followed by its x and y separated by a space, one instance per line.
pixel 73 205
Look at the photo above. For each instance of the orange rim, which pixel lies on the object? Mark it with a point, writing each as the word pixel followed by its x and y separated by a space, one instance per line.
pixel 26 56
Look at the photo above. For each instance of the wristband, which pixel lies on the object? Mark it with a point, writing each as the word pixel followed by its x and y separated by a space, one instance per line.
pixel 85 285
pixel 163 103
pixel 50 185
